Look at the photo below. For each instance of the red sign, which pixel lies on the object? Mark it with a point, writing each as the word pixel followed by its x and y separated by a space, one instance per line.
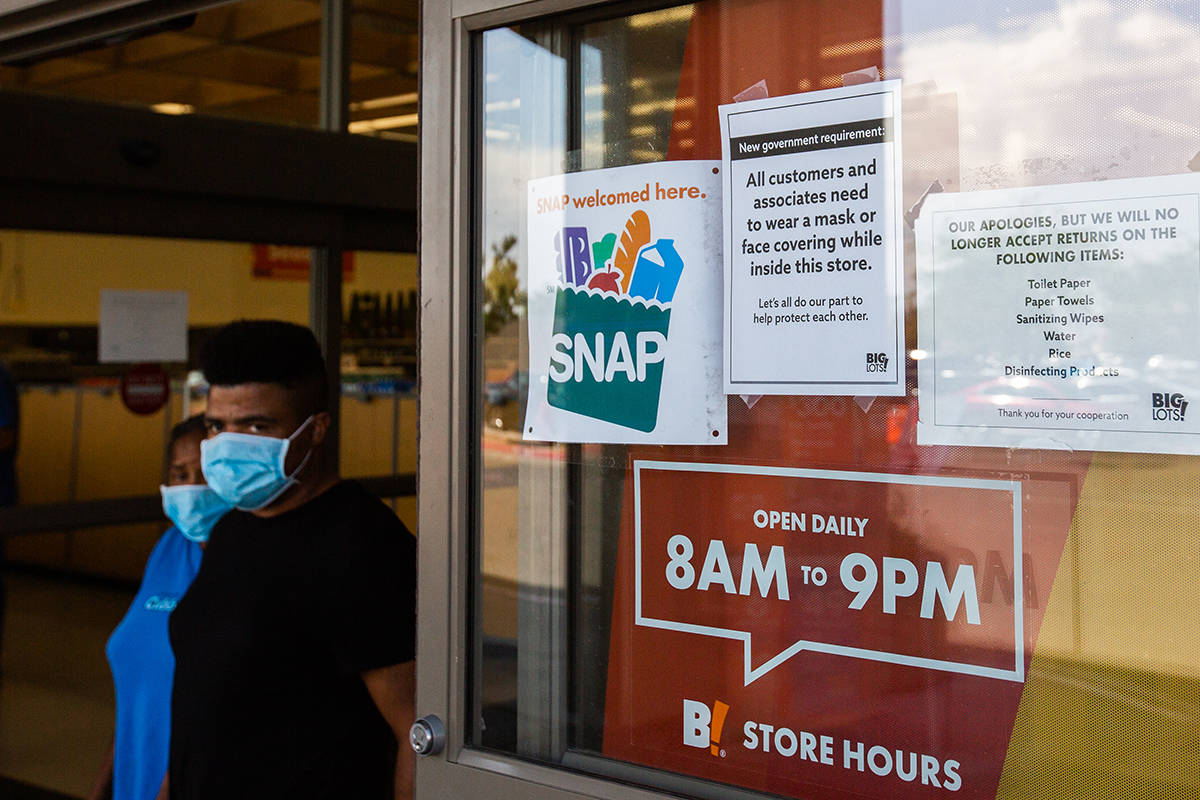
pixel 284 262
pixel 820 561
pixel 145 388
pixel 831 633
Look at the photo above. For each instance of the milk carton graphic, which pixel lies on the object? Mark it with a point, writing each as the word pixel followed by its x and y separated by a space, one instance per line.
pixel 657 272
pixel 612 317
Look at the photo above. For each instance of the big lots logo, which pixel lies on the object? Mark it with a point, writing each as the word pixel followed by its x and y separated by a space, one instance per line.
pixel 877 362
pixel 1168 406
pixel 612 313
pixel 702 728
pixel 702 725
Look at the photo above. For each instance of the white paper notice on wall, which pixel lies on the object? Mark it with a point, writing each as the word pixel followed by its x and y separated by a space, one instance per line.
pixel 137 326
pixel 1062 316
pixel 814 243
pixel 625 306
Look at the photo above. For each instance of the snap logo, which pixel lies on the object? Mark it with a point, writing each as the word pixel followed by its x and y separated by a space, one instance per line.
pixel 1168 407
pixel 702 725
pixel 612 315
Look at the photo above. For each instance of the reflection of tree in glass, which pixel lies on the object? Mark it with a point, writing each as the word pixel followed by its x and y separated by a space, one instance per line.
pixel 503 300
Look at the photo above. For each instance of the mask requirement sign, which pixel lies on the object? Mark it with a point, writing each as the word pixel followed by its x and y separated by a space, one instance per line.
pixel 813 243
pixel 624 306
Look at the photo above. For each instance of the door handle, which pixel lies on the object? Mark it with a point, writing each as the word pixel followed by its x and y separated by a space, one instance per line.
pixel 427 736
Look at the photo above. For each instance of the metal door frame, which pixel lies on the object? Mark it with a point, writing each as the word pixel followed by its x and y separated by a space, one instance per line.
pixel 445 481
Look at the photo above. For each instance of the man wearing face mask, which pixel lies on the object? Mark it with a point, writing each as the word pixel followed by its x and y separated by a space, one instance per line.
pixel 294 644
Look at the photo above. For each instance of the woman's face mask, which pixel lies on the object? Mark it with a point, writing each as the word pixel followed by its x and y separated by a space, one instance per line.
pixel 194 508
pixel 248 471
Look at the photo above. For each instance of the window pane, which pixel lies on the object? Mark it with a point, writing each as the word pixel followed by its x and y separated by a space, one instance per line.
pixel 524 130
pixel 82 438
pixel 793 690
pixel 536 591
pixel 378 427
pixel 383 80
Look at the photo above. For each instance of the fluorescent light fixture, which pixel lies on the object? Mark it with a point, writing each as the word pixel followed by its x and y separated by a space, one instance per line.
pixel 665 17
pixel 384 102
pixel 654 106
pixel 383 123
pixel 646 156
pixel 173 108
pixel 502 105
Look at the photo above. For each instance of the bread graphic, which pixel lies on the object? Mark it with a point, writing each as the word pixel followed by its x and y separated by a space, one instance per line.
pixel 635 236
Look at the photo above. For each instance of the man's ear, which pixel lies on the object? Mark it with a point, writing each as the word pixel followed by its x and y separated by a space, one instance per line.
pixel 320 426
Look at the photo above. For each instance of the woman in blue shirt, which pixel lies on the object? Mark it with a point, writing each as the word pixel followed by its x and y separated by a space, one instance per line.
pixel 139 652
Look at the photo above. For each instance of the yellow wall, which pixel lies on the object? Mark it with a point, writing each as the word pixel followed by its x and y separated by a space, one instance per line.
pixel 121 454
pixel 1113 690
pixel 57 278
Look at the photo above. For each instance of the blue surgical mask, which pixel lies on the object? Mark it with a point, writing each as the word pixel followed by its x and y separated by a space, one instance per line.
pixel 248 471
pixel 194 508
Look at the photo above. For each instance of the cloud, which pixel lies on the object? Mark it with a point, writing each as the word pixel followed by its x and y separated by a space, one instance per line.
pixel 1084 90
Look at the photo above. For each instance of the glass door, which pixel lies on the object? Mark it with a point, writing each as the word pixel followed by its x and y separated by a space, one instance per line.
pixel 948 558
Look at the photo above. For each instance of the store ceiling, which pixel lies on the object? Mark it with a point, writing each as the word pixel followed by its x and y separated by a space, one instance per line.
pixel 257 60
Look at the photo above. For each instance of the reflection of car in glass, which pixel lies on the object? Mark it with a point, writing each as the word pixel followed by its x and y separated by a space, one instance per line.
pixel 1011 391
pixel 499 393
pixel 1022 392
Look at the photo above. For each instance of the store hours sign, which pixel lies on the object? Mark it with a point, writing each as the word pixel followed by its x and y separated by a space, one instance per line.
pixel 813 633
pixel 821 551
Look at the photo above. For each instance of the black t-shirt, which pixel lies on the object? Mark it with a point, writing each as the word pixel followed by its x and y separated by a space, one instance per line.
pixel 270 640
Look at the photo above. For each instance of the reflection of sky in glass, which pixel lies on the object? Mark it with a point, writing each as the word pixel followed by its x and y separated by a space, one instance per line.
pixel 524 126
pixel 592 79
pixel 1045 92
pixel 1026 93
pixel 1057 92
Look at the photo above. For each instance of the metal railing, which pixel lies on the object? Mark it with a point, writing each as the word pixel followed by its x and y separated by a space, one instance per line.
pixel 48 517
pixel 74 514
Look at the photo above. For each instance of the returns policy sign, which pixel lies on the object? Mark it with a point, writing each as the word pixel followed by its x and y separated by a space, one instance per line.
pixel 1062 316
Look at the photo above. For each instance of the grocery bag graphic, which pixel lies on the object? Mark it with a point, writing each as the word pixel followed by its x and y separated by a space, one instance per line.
pixel 619 341
pixel 611 324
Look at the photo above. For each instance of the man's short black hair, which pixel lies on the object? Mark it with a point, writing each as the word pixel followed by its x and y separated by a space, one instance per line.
pixel 268 351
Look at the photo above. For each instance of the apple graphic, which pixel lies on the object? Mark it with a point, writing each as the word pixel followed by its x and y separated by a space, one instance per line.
pixel 607 281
